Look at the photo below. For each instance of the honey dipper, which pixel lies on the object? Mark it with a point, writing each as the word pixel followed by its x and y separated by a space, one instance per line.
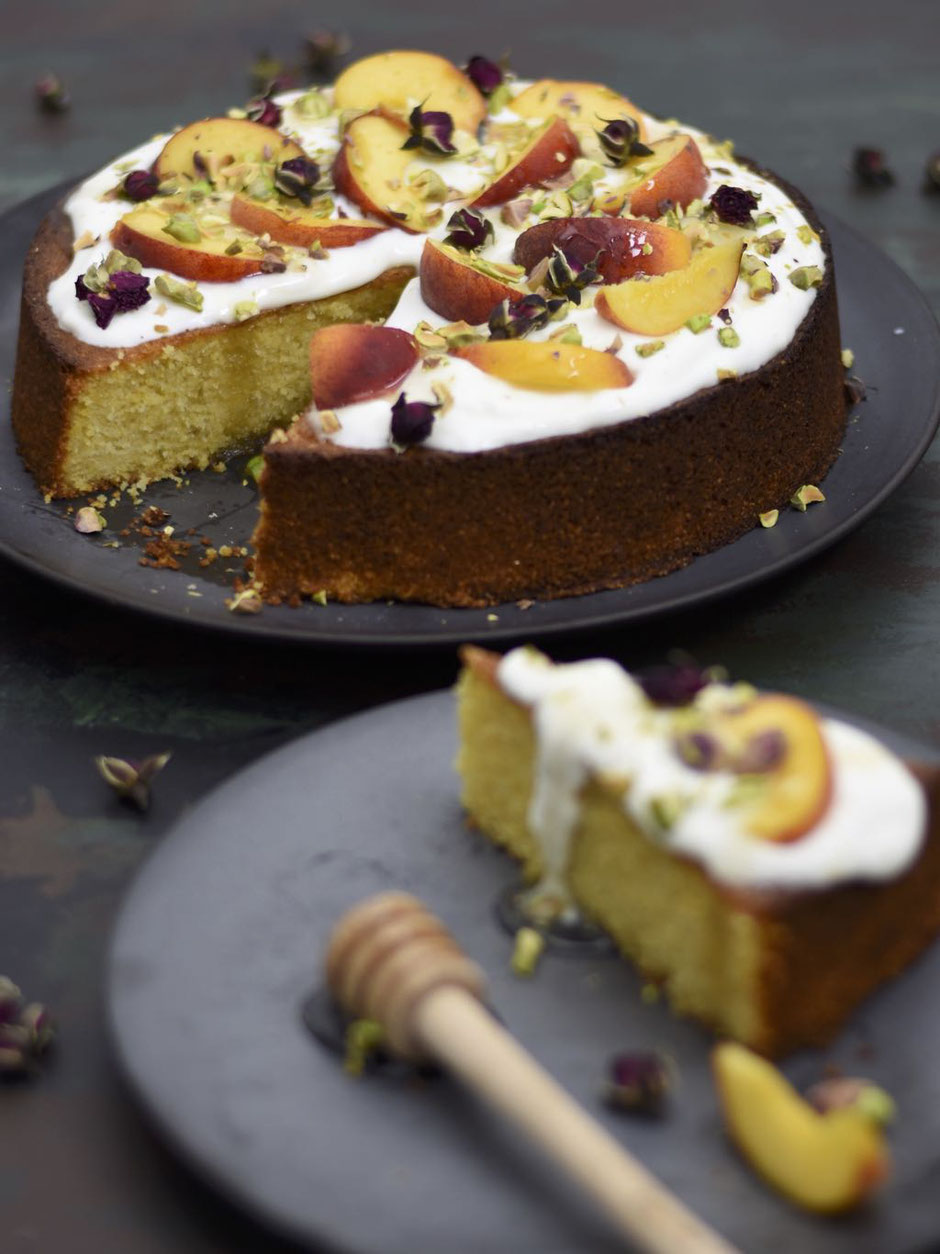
pixel 389 959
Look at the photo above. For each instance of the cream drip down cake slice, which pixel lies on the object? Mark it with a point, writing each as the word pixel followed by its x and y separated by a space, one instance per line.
pixel 609 345
pixel 770 867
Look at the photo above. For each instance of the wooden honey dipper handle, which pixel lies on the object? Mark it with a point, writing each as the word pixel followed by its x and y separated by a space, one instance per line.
pixel 389 959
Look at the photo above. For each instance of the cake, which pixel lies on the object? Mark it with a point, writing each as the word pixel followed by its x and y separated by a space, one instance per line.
pixel 769 867
pixel 608 344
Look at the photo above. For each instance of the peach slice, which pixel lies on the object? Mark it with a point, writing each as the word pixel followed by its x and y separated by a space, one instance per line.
pixel 797 789
pixel 548 366
pixel 140 234
pixel 675 172
pixel 400 80
pixel 215 142
pixel 458 287
pixel 548 153
pixel 826 1163
pixel 620 242
pixel 584 106
pixel 665 302
pixel 299 226
pixel 370 169
pixel 354 361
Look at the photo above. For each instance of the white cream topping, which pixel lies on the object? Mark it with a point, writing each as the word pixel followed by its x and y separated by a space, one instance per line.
pixel 486 412
pixel 592 719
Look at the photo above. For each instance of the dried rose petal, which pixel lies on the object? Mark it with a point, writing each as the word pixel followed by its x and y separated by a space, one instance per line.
pixel 322 49
pixel 620 140
pixel 297 177
pixel 470 229
pixel 512 321
pixel 868 165
pixel 103 307
pixel 412 421
pixel 51 95
pixel 129 290
pixel 432 132
pixel 485 75
pixel 263 109
pixel 140 184
pixel 673 684
pixel 734 205
pixel 638 1082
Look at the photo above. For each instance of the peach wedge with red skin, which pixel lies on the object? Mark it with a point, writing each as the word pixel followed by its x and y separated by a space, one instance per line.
pixel 582 105
pixel 140 234
pixel 797 790
pixel 548 153
pixel 822 1162
pixel 214 142
pixel 355 361
pixel 370 169
pixel 675 173
pixel 455 289
pixel 619 241
pixel 665 302
pixel 289 225
pixel 395 80
pixel 547 365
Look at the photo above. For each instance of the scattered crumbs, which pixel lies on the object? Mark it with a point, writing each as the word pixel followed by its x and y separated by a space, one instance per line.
pixel 524 604
pixel 808 494
pixel 218 467
pixel 769 517
pixel 320 597
pixel 527 951
pixel 898 330
pixel 848 358
pixel 492 618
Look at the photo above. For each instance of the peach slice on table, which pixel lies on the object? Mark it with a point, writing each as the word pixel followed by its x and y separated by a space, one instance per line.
pixel 355 361
pixel 584 106
pixel 203 147
pixel 299 226
pixel 400 80
pixel 626 247
pixel 141 234
pixel 460 287
pixel 822 1162
pixel 547 365
pixel 662 303
pixel 370 169
pixel 675 172
pixel 548 153
pixel 797 787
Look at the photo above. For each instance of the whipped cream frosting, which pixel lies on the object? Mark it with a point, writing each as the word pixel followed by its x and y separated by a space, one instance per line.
pixel 592 719
pixel 485 412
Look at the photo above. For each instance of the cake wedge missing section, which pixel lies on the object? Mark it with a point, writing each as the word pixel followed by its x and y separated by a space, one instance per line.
pixel 771 938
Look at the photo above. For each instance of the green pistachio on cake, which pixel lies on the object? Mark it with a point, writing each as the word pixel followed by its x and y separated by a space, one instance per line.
pixel 181 293
pixel 527 951
pixel 650 347
pixel 806 277
pixel 182 227
pixel 808 494
pixel 699 323
pixel 728 337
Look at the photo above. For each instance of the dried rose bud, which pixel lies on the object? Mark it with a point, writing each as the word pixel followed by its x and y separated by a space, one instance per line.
pixel 263 109
pixel 674 684
pixel 431 131
pixel 762 752
pixel 132 780
pixel 140 185
pixel 485 75
pixel 868 166
pixel 51 95
pixel 932 173
pixel 512 321
pixel 412 421
pixel 129 290
pixel 639 1083
pixel 297 177
pixel 567 276
pixel 322 49
pixel 470 229
pixel 620 140
pixel 734 205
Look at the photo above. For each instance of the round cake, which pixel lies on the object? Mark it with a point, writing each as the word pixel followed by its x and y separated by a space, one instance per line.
pixel 534 342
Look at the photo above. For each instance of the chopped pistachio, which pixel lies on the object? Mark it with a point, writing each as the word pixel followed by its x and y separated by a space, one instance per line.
pixel 182 226
pixel 254 467
pixel 247 601
pixel 459 334
pixel 85 240
pixel 428 338
pixel 728 337
pixel 745 790
pixel 724 375
pixel 443 396
pixel 498 269
pixel 806 233
pixel 666 809
pixel 116 260
pixel 647 248
pixel 556 205
pixel 567 335
pixel 650 347
pixel 806 495
pixel 769 517
pixel 848 358
pixel 528 949
pixel 329 423
pixel 319 597
pixel 364 1038
pixel 88 521
pixel 429 185
pixel 698 323
pixel 312 104
pixel 499 98
pixel 234 248
pixel 245 309
pixel 764 219
pixel 877 1105
pixel 187 294
pixel 768 244
pixel 806 277
pixel 757 276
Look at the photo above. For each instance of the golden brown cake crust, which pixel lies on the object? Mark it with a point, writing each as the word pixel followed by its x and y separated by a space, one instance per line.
pixel 558 516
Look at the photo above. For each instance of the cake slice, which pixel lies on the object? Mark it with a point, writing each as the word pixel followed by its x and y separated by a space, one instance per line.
pixel 768 867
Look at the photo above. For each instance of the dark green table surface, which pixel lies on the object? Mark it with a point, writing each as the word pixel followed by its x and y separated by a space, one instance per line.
pixel 800 85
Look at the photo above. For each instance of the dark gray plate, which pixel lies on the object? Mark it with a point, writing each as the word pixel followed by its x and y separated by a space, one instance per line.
pixel 885 440
pixel 222 937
